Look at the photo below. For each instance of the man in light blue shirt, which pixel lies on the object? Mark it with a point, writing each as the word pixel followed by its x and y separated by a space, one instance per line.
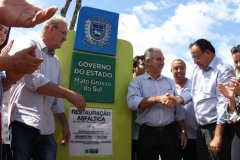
pixel 146 93
pixel 183 84
pixel 210 105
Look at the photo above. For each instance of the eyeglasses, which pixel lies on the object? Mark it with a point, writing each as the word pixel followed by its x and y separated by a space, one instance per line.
pixel 235 49
pixel 64 33
pixel 197 58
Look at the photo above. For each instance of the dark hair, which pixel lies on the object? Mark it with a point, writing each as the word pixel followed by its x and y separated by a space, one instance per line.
pixel 203 44
pixel 181 61
pixel 136 60
pixel 235 49
pixel 6 40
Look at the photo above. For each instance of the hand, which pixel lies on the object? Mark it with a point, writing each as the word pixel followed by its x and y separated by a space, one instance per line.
pixel 215 144
pixel 228 93
pixel 77 100
pixel 184 140
pixel 169 100
pixel 7 48
pixel 233 85
pixel 12 76
pixel 26 61
pixel 19 13
pixel 66 135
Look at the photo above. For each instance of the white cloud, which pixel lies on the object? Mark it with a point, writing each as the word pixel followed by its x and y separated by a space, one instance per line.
pixel 167 3
pixel 21 37
pixel 38 3
pixel 150 6
pixel 141 11
pixel 188 23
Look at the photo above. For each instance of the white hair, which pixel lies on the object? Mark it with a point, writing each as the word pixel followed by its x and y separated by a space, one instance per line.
pixel 55 20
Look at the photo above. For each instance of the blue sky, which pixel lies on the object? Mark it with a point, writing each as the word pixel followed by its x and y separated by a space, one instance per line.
pixel 170 25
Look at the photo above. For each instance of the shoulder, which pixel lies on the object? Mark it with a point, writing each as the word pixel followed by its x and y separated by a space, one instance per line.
pixel 223 69
pixel 169 79
pixel 138 78
pixel 220 64
pixel 34 41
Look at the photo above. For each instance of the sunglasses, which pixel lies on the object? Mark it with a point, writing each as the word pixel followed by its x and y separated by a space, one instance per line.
pixel 235 49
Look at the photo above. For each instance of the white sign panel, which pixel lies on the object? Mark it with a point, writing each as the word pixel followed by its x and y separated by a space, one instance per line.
pixel 91 132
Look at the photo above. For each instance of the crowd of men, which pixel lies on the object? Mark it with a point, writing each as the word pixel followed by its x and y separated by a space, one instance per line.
pixel 177 118
pixel 191 110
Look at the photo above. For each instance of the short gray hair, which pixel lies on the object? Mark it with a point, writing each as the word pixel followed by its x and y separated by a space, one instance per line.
pixel 148 54
pixel 55 20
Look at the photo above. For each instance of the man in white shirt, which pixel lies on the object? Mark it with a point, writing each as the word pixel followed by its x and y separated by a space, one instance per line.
pixel 38 96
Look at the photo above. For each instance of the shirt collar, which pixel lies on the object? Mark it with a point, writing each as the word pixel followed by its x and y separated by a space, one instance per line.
pixel 44 47
pixel 185 85
pixel 147 76
pixel 213 63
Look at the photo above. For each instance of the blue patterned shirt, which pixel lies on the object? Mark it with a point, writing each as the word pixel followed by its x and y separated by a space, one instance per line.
pixel 145 86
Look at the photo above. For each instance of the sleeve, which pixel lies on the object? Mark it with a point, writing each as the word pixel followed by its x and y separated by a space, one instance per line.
pixel 234 116
pixel 225 74
pixel 58 106
pixel 179 114
pixel 134 97
pixel 37 79
pixel 186 94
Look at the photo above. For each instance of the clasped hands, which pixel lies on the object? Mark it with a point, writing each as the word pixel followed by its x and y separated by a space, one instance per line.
pixel 168 100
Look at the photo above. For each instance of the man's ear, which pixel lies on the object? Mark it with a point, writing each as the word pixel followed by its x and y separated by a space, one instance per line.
pixel 147 60
pixel 51 28
pixel 208 51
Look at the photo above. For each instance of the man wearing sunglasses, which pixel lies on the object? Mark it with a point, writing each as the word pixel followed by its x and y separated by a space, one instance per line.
pixel 210 105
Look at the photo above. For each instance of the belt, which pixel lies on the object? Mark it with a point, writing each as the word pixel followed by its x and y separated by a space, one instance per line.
pixel 159 128
pixel 208 125
pixel 235 125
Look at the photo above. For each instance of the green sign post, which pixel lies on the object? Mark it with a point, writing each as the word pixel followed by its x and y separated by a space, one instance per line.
pixel 119 126
pixel 93 76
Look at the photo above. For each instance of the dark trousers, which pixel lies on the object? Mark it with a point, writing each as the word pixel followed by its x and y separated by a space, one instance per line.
pixel 134 149
pixel 235 146
pixel 189 152
pixel 27 143
pixel 6 152
pixel 153 141
pixel 205 135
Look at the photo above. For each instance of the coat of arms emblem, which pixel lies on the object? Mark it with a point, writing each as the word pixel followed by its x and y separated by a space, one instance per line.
pixel 97 31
